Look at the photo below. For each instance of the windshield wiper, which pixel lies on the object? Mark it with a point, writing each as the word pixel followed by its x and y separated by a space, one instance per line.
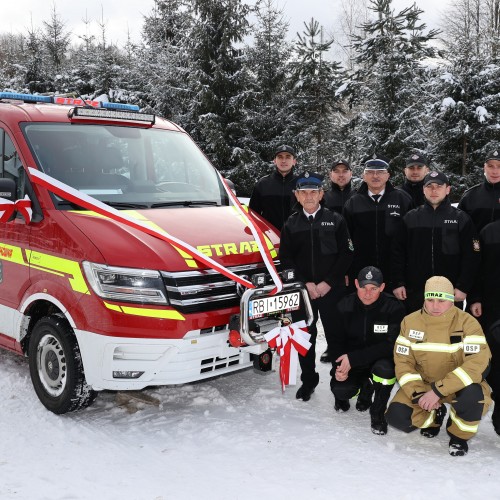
pixel 124 204
pixel 185 203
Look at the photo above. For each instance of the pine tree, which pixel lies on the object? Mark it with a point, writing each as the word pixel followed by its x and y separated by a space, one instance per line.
pixel 317 107
pixel 162 62
pixel 55 44
pixel 386 87
pixel 219 81
pixel 466 108
pixel 268 110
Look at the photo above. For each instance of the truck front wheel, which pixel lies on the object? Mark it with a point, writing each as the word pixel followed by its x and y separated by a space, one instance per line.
pixel 56 367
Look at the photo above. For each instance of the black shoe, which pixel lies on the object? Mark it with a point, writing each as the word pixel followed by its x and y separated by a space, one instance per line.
pixel 365 396
pixel 379 425
pixel 304 392
pixel 342 405
pixel 325 357
pixel 495 418
pixel 458 447
pixel 431 432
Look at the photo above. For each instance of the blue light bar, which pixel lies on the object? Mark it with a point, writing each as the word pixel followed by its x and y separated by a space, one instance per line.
pixel 117 105
pixel 25 97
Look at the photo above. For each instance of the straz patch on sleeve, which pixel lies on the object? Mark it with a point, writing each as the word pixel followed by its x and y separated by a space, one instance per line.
pixel 402 349
pixel 380 328
pixel 415 334
pixel 471 348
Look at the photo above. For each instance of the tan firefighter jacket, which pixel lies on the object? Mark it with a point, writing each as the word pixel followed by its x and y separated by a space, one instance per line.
pixel 447 352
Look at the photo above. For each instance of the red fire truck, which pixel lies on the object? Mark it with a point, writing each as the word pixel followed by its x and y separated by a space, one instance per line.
pixel 97 303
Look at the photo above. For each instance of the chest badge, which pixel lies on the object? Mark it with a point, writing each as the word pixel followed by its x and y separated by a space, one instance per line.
pixel 415 334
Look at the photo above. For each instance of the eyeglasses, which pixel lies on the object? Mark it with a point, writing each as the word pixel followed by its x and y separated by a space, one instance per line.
pixel 375 172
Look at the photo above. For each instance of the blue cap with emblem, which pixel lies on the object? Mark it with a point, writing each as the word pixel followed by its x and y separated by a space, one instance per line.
pixel 309 180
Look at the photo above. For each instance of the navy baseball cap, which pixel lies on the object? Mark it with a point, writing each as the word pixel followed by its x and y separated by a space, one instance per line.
pixel 370 275
pixel 416 159
pixel 436 177
pixel 340 162
pixel 284 148
pixel 493 155
pixel 309 180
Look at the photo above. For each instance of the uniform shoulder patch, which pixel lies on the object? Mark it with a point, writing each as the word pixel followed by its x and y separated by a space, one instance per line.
pixel 402 349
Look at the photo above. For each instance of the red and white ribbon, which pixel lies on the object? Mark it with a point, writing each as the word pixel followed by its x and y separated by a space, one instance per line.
pixel 289 341
pixel 7 208
pixel 259 238
pixel 90 203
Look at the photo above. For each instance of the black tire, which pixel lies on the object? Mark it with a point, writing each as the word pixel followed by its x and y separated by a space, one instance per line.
pixel 56 367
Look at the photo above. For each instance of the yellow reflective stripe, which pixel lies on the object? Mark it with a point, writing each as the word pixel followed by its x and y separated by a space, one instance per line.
pixel 474 339
pixel 150 313
pixel 12 254
pixel 63 267
pixel 463 376
pixel 409 377
pixel 383 381
pixel 429 420
pixel 433 347
pixel 461 424
pixel 403 340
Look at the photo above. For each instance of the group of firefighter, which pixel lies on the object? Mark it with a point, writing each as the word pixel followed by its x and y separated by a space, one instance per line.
pixel 389 270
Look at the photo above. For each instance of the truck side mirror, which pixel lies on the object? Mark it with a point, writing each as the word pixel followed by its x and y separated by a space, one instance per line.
pixel 8 189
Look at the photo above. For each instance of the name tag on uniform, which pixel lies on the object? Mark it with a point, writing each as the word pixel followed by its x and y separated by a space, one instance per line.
pixel 402 349
pixel 415 334
pixel 471 348
pixel 380 328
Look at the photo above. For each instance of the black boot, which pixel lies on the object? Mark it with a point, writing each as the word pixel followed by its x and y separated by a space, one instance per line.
pixel 304 392
pixel 342 405
pixel 431 432
pixel 325 357
pixel 365 395
pixel 495 418
pixel 458 447
pixel 379 405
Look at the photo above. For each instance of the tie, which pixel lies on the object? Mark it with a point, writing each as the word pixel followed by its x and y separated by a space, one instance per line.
pixel 375 197
pixel 311 219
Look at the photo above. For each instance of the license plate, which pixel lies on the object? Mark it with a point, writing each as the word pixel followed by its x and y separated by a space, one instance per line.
pixel 258 308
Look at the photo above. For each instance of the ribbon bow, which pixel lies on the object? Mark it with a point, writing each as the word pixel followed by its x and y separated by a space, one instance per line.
pixel 8 207
pixel 289 341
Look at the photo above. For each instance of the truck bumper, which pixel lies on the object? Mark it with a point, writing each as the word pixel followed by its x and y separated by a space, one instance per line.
pixel 117 363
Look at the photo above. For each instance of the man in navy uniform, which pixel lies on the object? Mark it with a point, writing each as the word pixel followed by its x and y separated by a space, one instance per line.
pixel 315 243
pixel 367 324
pixel 482 201
pixel 272 196
pixel 374 215
pixel 335 199
pixel 435 239
pixel 415 171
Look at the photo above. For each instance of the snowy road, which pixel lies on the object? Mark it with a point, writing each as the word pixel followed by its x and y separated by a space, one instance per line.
pixel 235 437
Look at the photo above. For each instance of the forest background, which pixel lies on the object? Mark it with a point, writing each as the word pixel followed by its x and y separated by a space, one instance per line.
pixel 230 75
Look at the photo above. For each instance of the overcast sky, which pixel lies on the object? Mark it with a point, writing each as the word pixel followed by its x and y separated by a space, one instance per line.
pixel 124 16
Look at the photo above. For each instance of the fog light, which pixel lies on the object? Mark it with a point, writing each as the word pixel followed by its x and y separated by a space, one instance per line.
pixel 259 279
pixel 127 374
pixel 288 275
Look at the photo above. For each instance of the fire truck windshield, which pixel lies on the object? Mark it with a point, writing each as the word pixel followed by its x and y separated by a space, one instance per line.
pixel 126 166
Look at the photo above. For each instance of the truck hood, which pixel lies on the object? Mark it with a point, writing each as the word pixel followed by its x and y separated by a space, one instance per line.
pixel 217 232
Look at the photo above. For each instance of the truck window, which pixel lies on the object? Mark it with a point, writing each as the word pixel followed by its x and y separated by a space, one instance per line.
pixel 125 165
pixel 11 165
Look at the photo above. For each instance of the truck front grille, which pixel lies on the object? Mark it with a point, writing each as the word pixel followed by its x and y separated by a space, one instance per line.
pixel 207 290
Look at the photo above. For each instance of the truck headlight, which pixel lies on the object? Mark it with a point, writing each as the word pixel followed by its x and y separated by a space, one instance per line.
pixel 126 284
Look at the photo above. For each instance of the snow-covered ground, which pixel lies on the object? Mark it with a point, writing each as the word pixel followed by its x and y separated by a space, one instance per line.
pixel 236 437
